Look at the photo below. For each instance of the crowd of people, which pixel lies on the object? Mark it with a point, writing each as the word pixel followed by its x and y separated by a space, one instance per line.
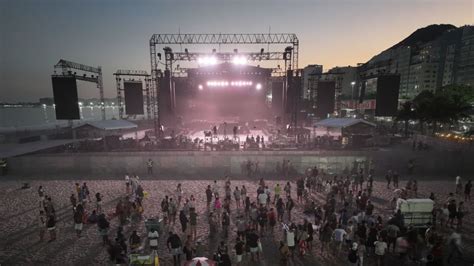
pixel 254 143
pixel 345 224
pixel 90 211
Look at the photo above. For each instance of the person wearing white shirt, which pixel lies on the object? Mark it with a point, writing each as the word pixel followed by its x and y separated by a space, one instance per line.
pixel 380 249
pixel 215 189
pixel 127 183
pixel 290 240
pixel 458 185
pixel 267 191
pixel 262 199
pixel 339 235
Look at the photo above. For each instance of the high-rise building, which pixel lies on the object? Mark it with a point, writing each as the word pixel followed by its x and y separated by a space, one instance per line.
pixel 430 58
pixel 310 73
pixel 344 78
pixel 465 64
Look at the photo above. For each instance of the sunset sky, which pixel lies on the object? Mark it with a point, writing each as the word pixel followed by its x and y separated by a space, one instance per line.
pixel 114 34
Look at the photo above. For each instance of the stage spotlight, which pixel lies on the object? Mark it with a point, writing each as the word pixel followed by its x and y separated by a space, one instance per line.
pixel 212 60
pixel 235 60
pixel 239 60
pixel 200 87
pixel 207 60
pixel 259 86
pixel 287 53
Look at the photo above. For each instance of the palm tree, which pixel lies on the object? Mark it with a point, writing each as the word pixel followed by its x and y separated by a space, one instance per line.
pixel 422 105
pixel 406 114
pixel 448 105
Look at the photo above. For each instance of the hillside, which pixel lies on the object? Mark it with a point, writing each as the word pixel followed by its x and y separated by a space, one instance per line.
pixel 425 34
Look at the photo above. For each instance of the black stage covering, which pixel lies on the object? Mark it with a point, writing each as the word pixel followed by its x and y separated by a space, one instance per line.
pixel 65 97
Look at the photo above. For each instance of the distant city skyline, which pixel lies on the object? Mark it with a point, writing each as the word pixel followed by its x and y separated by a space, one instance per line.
pixel 115 34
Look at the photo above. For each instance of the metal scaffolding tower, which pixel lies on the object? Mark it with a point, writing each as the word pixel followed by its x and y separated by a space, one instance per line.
pixel 163 41
pixel 149 95
pixel 66 69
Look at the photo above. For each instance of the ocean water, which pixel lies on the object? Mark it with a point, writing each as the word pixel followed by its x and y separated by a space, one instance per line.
pixel 45 117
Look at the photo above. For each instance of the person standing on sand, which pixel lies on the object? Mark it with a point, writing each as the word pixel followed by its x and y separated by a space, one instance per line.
pixel 174 246
pixel 193 222
pixel 78 219
pixel 149 166
pixel 237 196
pixel 51 223
pixel 388 177
pixel 208 196
pixel 42 225
pixel 458 185
pixel 467 191
pixel 127 183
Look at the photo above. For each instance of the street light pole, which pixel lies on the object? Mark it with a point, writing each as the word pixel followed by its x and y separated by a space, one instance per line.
pixel 352 95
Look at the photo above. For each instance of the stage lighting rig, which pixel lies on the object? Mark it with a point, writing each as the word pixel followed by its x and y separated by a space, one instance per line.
pixel 131 75
pixel 239 60
pixel 168 53
pixel 158 41
pixel 66 68
pixel 207 60
pixel 287 54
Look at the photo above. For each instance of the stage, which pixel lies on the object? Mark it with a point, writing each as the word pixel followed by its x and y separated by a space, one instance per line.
pixel 241 138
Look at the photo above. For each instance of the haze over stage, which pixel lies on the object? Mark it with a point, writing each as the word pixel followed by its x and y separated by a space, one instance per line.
pixel 217 91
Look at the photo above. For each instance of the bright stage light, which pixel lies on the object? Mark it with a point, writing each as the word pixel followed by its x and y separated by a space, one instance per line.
pixel 207 60
pixel 225 83
pixel 212 60
pixel 200 87
pixel 259 86
pixel 239 60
